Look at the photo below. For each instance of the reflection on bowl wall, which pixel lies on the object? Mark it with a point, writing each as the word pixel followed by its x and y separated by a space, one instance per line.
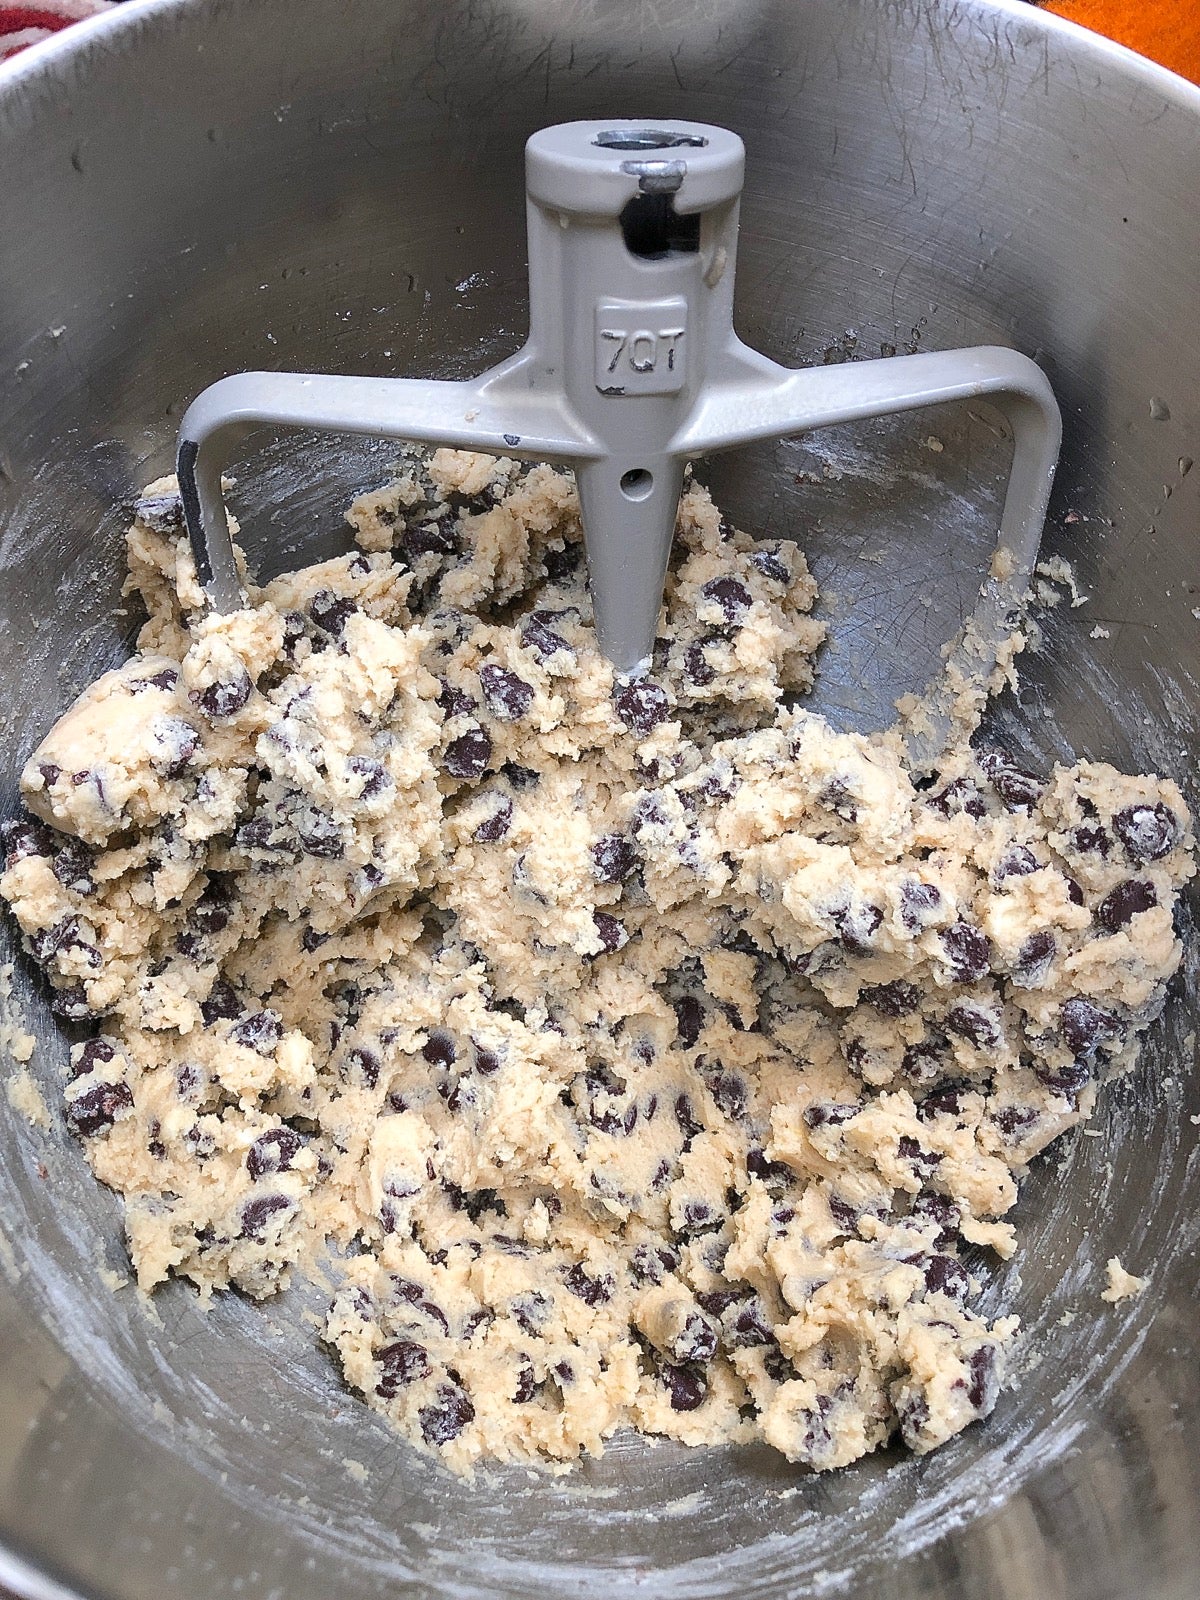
pixel 195 188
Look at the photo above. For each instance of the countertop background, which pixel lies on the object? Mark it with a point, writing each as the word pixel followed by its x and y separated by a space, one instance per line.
pixel 1168 31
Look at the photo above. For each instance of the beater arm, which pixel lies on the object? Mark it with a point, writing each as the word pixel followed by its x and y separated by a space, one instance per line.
pixel 631 368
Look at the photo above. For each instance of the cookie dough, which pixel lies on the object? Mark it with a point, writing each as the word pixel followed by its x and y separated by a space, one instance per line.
pixel 1122 1285
pixel 640 1055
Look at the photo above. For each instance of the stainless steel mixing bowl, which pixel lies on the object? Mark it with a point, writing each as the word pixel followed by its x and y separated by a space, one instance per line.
pixel 190 188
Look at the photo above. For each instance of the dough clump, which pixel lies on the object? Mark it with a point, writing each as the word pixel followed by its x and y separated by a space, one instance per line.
pixel 641 1055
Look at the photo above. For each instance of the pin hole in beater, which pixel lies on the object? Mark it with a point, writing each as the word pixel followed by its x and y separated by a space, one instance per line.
pixel 637 483
pixel 653 230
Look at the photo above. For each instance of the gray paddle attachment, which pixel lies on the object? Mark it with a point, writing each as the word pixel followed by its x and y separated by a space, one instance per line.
pixel 631 369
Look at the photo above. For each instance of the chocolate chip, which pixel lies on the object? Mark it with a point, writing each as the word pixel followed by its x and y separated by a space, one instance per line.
pixel 695 1341
pixel 260 1031
pixel 717 1301
pixel 768 1172
pixel 856 925
pixel 1066 1077
pixel 940 1209
pixel 649 1263
pixel 1033 959
pixel 521 778
pixel 593 1291
pixel 698 1214
pixel 224 699
pixel 983 1385
pixel 944 1101
pixel 817 1438
pixel 331 612
pixel 1014 1122
pixel 641 706
pixel 496 826
pixel 256 833
pixel 689 1018
pixel 730 1094
pixel 272 1152
pixel 167 679
pixel 695 665
pixel 1147 832
pixel 527 1386
pixel 538 636
pixel 507 697
pixel 895 999
pixel 922 1062
pixel 447 1416
pixel 1089 839
pixel 70 1002
pixel 98 1108
pixel 455 702
pixel 974 1023
pixel 923 1162
pixel 374 774
pixel 912 1414
pixel 530 1311
pixel 561 562
pixel 612 933
pixel 613 858
pixel 73 867
pixel 947 1275
pixel 320 835
pixel 210 914
pixel 1086 1025
pixel 257 1213
pixel 732 596
pixel 1020 790
pixel 830 1114
pixel 487 1061
pixel 1016 862
pixel 687 1386
pixel 363 1067
pixel 838 797
pixel 66 934
pixel 22 837
pixel 400 1363
pixel 469 754
pixel 750 1327
pixel 222 1004
pixel 767 561
pixel 685 1116
pixel 960 796
pixel 967 952
pixel 918 901
pixel 90 1054
pixel 435 537
pixel 1126 901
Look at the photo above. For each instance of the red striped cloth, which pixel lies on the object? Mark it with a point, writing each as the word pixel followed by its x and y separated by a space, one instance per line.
pixel 22 25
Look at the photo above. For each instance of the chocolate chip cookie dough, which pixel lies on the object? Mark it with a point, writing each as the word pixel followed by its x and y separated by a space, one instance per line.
pixel 634 1055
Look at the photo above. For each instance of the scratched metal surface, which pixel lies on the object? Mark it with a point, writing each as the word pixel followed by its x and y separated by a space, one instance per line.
pixel 192 188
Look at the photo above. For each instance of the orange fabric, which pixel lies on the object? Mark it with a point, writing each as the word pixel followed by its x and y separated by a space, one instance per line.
pixel 1168 31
